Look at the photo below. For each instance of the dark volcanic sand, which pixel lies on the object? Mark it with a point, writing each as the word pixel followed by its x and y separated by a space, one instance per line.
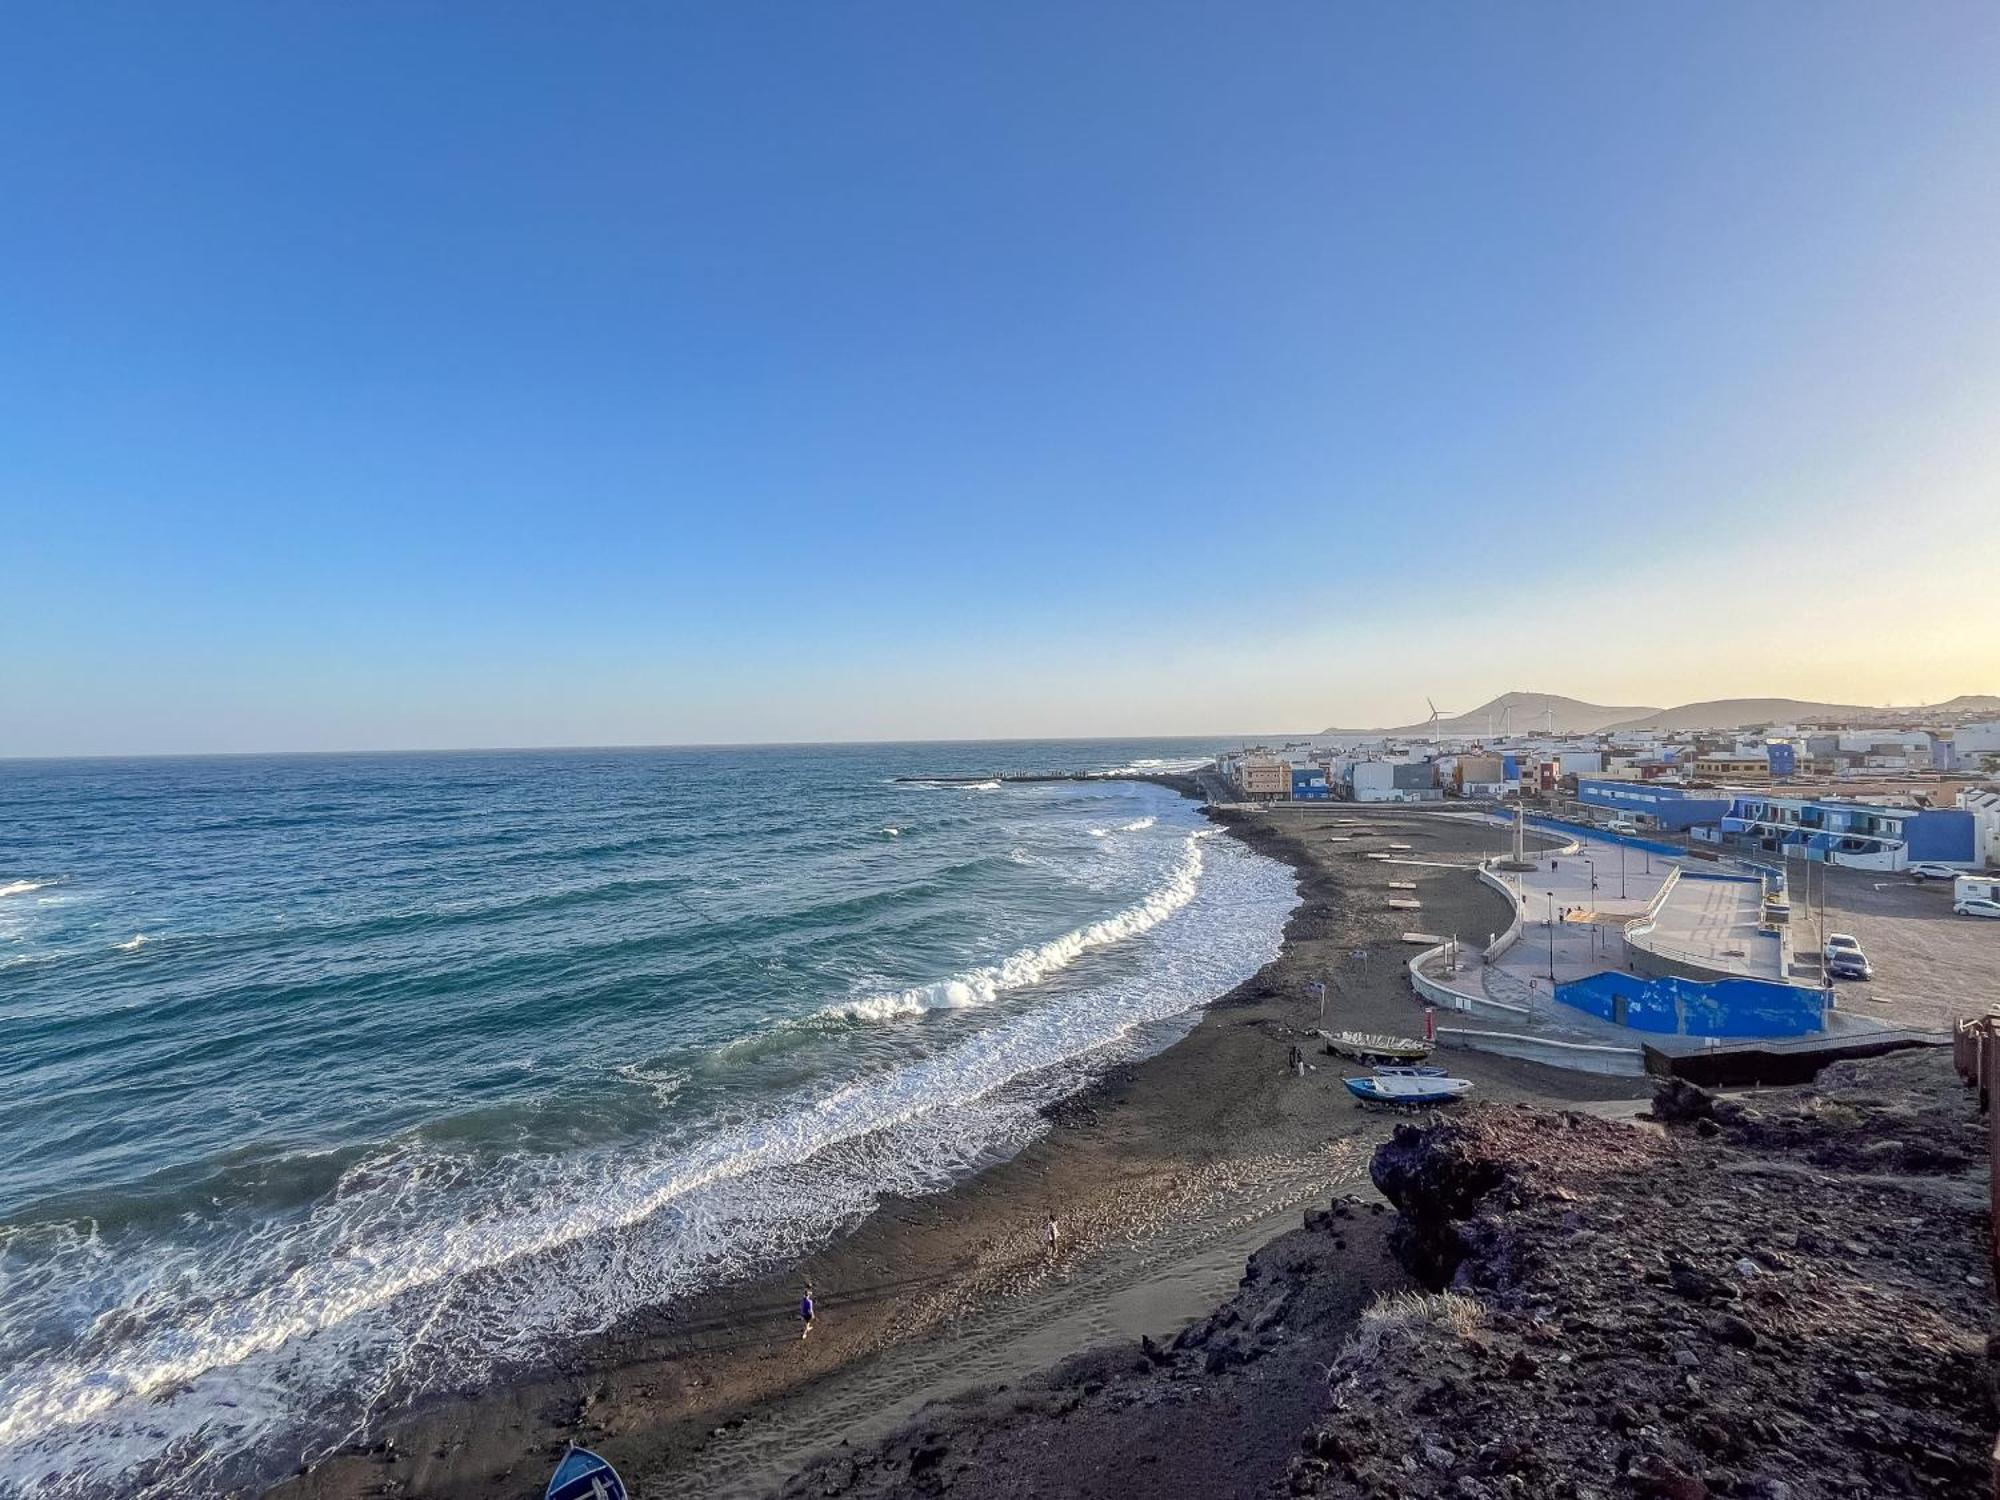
pixel 1167 1175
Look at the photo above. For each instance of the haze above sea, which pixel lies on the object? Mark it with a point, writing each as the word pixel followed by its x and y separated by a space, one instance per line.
pixel 330 1081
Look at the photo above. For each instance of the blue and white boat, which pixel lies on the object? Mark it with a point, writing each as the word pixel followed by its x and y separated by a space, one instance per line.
pixel 1407 1088
pixel 582 1475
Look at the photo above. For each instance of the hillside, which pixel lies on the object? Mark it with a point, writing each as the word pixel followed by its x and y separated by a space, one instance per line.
pixel 1745 713
pixel 1528 713
pixel 1522 713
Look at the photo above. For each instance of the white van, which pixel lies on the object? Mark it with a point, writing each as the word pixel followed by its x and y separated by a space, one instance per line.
pixel 1621 825
pixel 1975 888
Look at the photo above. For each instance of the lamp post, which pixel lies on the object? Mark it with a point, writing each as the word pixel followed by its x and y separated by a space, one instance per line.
pixel 1552 941
pixel 1621 872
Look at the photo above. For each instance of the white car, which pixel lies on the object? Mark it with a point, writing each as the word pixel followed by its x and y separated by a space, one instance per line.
pixel 1621 825
pixel 1933 872
pixel 1977 906
pixel 1838 943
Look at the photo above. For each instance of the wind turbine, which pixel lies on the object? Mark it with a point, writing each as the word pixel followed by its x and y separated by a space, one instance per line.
pixel 1431 724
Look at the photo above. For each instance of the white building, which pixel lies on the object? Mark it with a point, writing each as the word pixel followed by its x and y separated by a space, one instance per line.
pixel 1974 740
pixel 1984 806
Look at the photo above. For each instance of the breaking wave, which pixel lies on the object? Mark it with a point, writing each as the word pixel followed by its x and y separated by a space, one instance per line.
pixel 21 887
pixel 1030 966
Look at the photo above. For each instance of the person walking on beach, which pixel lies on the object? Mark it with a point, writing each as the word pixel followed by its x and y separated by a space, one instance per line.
pixel 806 1312
pixel 1051 1236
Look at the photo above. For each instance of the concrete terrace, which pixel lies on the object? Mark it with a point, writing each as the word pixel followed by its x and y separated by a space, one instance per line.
pixel 1574 910
pixel 1575 907
pixel 1717 925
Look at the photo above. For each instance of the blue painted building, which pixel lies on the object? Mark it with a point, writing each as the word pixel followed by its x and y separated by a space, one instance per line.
pixel 1672 808
pixel 1859 834
pixel 1309 784
pixel 1784 759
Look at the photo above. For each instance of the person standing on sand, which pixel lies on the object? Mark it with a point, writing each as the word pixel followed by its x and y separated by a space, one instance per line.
pixel 1051 1236
pixel 806 1312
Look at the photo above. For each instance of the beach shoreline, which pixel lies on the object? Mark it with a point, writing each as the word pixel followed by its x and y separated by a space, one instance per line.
pixel 1166 1174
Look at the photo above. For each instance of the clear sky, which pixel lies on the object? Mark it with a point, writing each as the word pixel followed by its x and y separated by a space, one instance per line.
pixel 482 374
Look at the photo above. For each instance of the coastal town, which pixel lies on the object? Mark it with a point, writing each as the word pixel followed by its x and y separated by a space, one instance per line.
pixel 1695 900
pixel 1613 1123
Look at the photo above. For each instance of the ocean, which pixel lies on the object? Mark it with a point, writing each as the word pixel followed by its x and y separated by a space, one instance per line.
pixel 327 1082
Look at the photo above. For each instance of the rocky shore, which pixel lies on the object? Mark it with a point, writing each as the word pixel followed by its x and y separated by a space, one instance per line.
pixel 1778 1298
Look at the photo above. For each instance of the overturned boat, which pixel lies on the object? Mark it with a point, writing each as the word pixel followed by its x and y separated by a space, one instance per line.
pixel 1369 1047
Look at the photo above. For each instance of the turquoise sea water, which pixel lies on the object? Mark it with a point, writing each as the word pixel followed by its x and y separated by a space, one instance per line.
pixel 329 1081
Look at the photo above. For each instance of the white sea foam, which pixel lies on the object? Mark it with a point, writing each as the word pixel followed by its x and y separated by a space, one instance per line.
pixel 21 887
pixel 893 831
pixel 1137 825
pixel 424 1268
pixel 136 940
pixel 983 985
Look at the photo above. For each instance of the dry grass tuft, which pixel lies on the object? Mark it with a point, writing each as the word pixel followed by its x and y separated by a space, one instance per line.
pixel 1403 1318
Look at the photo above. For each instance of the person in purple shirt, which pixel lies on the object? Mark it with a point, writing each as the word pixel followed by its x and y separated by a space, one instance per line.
pixel 806 1312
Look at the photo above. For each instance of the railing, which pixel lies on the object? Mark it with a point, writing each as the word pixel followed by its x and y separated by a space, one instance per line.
pixel 1650 917
pixel 1975 1050
pixel 1451 998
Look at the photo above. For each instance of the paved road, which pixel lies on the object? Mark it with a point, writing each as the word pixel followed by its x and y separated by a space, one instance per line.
pixel 1930 967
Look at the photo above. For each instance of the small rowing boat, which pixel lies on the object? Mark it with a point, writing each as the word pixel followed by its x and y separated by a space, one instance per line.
pixel 582 1475
pixel 1368 1047
pixel 1407 1089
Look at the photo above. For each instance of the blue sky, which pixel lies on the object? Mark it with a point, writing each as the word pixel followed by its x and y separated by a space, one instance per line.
pixel 485 374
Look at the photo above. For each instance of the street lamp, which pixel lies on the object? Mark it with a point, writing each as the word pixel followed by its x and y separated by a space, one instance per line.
pixel 1552 942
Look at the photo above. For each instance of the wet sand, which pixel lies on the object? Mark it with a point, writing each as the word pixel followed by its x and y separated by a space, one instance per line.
pixel 1166 1175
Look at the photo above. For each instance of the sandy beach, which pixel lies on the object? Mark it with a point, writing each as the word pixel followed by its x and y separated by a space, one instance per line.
pixel 1166 1176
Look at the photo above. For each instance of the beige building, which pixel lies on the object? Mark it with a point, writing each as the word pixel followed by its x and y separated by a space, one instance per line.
pixel 1732 768
pixel 1264 776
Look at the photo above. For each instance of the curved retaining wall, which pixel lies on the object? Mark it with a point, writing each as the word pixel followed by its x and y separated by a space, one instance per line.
pixel 1512 935
pixel 1448 998
pixel 1445 997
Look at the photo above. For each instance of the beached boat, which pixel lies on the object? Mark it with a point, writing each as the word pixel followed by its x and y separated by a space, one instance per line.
pixel 1407 1088
pixel 1412 1070
pixel 1366 1046
pixel 582 1475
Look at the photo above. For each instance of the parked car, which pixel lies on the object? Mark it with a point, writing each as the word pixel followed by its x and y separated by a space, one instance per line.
pixel 1844 958
pixel 1977 906
pixel 1621 825
pixel 1933 872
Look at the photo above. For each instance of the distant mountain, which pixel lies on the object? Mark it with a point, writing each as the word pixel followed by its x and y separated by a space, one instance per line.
pixel 1521 713
pixel 1750 713
pixel 1525 713
pixel 1742 713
